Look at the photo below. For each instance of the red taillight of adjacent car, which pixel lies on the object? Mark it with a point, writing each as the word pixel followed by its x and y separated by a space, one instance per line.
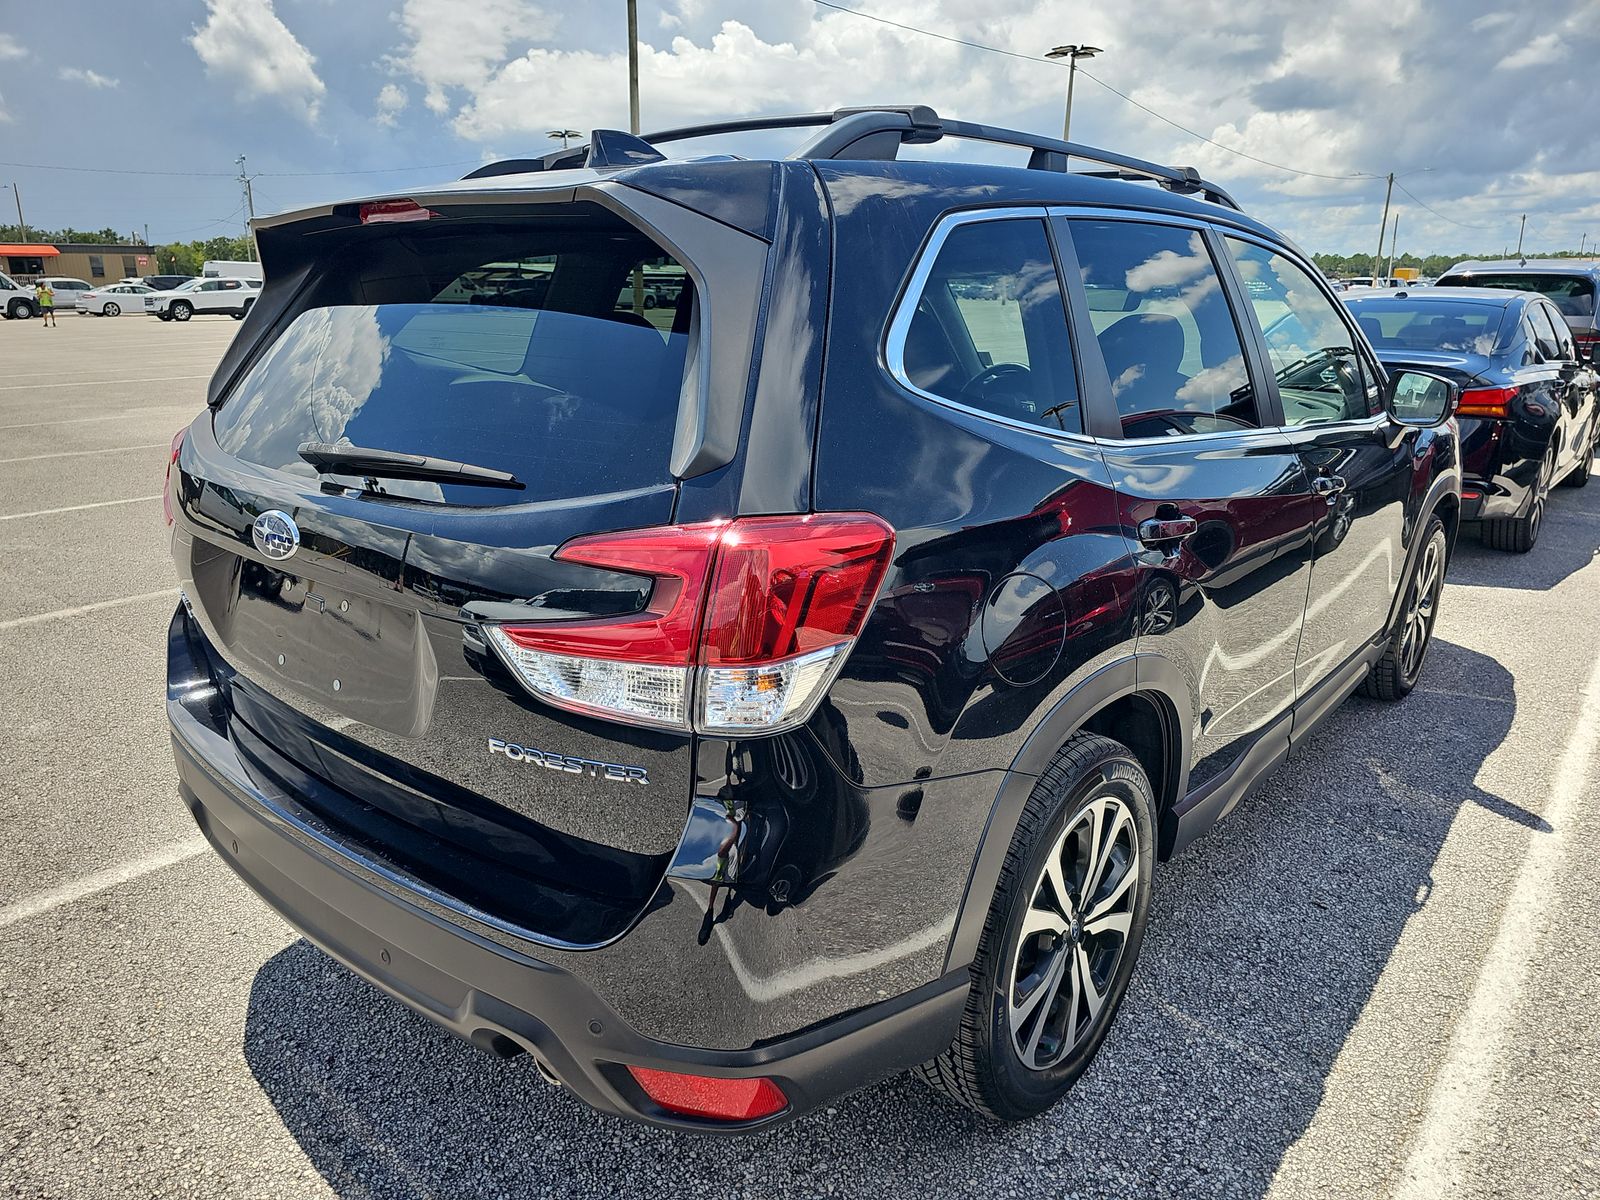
pixel 166 488
pixel 1587 343
pixel 713 1099
pixel 747 623
pixel 1486 402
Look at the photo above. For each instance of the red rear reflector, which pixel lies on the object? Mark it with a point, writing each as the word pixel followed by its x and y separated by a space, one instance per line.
pixel 1486 402
pixel 716 1099
pixel 1472 495
pixel 166 490
pixel 384 212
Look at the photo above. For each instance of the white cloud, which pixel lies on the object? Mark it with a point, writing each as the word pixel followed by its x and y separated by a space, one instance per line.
pixel 11 48
pixel 391 102
pixel 88 78
pixel 1543 50
pixel 456 45
pixel 243 43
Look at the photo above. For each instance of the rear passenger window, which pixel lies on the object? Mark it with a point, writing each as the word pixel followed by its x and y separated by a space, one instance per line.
pixel 1551 328
pixel 1319 373
pixel 1167 335
pixel 990 329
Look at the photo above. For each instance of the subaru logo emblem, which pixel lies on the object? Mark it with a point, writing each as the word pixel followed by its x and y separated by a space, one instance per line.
pixel 275 534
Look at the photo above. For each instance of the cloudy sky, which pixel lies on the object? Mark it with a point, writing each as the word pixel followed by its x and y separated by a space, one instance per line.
pixel 1487 110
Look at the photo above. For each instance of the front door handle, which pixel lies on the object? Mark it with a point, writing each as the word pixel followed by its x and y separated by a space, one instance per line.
pixel 1328 486
pixel 1162 531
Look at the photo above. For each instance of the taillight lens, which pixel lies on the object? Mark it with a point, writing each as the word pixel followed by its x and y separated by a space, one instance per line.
pixel 166 488
pixel 748 622
pixel 716 1099
pixel 1486 402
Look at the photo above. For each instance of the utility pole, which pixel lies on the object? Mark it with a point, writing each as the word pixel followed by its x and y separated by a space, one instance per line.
pixel 633 125
pixel 21 224
pixel 1072 53
pixel 1394 236
pixel 250 208
pixel 1382 226
pixel 1520 230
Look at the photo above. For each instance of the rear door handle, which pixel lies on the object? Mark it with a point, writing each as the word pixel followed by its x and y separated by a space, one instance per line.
pixel 1328 486
pixel 1158 531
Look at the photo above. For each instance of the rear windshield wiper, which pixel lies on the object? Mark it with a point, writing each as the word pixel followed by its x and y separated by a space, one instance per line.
pixel 343 459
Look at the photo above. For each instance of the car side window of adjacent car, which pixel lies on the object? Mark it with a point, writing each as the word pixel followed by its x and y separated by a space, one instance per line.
pixel 1172 349
pixel 989 330
pixel 1550 329
pixel 1318 368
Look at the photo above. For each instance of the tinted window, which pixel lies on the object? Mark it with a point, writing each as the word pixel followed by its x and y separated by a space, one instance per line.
pixel 1165 330
pixel 1551 331
pixel 1419 324
pixel 1573 295
pixel 558 388
pixel 1313 353
pixel 990 329
pixel 97 266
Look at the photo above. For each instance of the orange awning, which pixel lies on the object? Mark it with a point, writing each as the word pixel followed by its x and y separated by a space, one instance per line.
pixel 22 251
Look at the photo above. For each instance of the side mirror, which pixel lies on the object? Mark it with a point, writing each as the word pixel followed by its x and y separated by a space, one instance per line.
pixel 1420 399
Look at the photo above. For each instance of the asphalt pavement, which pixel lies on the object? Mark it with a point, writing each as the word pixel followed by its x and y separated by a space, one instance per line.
pixel 1380 977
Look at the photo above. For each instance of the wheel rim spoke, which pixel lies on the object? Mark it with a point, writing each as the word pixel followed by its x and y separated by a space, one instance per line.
pixel 1093 998
pixel 1117 922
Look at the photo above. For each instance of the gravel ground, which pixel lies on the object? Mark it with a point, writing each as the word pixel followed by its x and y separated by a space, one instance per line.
pixel 1379 978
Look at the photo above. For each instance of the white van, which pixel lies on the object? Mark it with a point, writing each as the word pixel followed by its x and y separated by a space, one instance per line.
pixel 16 300
pixel 220 268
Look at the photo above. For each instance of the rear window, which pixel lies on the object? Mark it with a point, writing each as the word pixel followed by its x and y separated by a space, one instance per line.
pixel 555 354
pixel 1429 325
pixel 1572 294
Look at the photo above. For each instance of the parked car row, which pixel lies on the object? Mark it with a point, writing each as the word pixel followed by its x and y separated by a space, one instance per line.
pixel 726 723
pixel 226 293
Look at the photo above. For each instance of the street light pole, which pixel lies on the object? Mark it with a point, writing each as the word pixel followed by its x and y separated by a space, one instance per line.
pixel 633 66
pixel 1072 53
pixel 16 192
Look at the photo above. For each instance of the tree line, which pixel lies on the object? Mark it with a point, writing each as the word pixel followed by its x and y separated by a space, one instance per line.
pixel 174 258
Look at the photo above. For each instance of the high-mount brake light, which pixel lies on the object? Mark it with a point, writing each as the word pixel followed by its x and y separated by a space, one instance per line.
pixel 748 622
pixel 389 212
pixel 1494 403
pixel 166 488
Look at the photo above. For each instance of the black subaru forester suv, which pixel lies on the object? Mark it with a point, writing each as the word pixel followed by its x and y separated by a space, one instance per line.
pixel 735 629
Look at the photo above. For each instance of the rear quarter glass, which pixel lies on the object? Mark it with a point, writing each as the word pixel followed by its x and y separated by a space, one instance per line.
pixel 505 349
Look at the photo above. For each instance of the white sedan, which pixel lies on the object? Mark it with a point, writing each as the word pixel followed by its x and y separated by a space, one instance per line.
pixel 110 300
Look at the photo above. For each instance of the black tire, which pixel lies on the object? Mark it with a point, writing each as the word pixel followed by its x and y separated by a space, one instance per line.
pixel 1579 476
pixel 166 316
pixel 112 309
pixel 1519 534
pixel 984 1068
pixel 1397 672
pixel 20 310
pixel 182 310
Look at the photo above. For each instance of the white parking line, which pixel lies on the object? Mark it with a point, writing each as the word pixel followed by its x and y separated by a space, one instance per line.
pixel 50 512
pixel 121 416
pixel 80 610
pixel 80 453
pixel 1464 1086
pixel 99 881
pixel 31 387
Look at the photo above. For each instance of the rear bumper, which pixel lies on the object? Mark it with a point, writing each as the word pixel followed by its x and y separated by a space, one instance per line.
pixel 505 1001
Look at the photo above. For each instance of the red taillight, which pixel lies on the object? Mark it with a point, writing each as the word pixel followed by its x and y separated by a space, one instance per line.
pixel 746 624
pixel 388 212
pixel 1486 402
pixel 166 489
pixel 715 1099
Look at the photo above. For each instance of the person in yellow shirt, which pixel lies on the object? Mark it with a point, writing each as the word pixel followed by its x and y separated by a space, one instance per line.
pixel 46 296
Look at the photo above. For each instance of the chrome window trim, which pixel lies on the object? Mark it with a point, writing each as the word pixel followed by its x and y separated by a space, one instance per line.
pixel 905 310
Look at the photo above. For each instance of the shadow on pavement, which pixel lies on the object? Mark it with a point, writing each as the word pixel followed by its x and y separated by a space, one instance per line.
pixel 1265 942
pixel 1568 541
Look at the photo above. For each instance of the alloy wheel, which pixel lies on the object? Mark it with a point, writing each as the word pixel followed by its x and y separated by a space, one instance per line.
pixel 1422 607
pixel 1074 933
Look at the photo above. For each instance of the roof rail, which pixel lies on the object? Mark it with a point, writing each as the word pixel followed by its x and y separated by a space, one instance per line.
pixel 879 132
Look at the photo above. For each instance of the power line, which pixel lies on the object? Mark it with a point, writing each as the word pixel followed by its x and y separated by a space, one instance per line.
pixel 1437 213
pixel 856 12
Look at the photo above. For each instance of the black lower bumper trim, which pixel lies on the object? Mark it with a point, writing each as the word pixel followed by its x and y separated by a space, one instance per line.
pixel 500 1000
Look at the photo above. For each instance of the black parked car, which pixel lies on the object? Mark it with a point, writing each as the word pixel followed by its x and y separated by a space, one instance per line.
pixel 736 703
pixel 1529 416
